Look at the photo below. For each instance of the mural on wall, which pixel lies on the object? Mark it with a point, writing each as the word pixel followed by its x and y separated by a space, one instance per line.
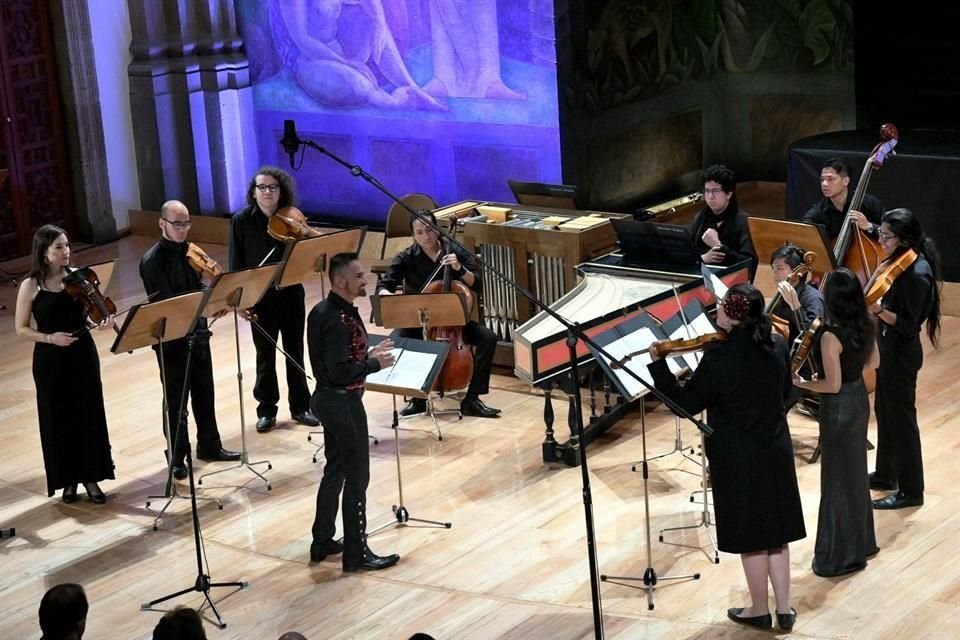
pixel 447 97
pixel 635 49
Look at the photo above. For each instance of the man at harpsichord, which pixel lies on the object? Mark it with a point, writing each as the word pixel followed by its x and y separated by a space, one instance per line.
pixel 411 270
pixel 719 231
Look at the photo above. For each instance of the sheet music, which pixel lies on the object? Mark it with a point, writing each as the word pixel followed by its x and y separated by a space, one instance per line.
pixel 699 326
pixel 410 369
pixel 630 344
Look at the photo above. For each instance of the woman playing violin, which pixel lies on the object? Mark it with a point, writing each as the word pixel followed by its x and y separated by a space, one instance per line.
pixel 913 298
pixel 845 534
pixel 413 268
pixel 742 383
pixel 66 371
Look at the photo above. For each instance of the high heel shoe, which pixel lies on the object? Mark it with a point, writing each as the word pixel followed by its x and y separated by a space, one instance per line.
pixel 70 494
pixel 96 495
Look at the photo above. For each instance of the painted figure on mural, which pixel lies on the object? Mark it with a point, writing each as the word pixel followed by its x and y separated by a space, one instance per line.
pixel 466 51
pixel 333 48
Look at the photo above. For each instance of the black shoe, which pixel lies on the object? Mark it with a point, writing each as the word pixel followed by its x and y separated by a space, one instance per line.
pixel 786 620
pixel 264 424
pixel 760 622
pixel 876 482
pixel 70 494
pixel 475 407
pixel 320 550
pixel 96 495
pixel 179 471
pixel 414 407
pixel 307 418
pixel 371 562
pixel 898 500
pixel 217 455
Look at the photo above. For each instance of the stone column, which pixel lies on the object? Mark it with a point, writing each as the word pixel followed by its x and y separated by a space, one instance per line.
pixel 192 104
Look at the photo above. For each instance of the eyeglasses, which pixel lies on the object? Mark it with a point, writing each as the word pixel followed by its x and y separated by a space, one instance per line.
pixel 886 236
pixel 180 226
pixel 713 192
pixel 264 188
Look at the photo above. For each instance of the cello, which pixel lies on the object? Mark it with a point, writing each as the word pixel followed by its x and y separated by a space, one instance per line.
pixel 458 367
pixel 854 249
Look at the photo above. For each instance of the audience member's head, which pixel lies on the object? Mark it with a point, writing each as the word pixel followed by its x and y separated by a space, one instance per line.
pixel 421 636
pixel 183 623
pixel 63 612
pixel 292 635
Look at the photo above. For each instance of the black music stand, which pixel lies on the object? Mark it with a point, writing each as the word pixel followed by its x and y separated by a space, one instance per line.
pixel 628 344
pixel 422 310
pixel 149 325
pixel 418 363
pixel 240 290
pixel 174 318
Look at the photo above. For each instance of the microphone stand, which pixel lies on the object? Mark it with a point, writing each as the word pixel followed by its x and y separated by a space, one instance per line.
pixel 574 334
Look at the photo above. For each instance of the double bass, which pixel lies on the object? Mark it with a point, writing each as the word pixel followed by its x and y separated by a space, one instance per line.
pixel 458 367
pixel 854 249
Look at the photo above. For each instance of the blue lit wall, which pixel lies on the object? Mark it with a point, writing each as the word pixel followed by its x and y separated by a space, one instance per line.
pixel 445 97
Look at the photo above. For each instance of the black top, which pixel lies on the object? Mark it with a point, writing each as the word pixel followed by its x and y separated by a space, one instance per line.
pixel 911 298
pixel 731 226
pixel 811 307
pixel 337 341
pixel 166 273
pixel 826 214
pixel 249 240
pixel 851 358
pixel 413 266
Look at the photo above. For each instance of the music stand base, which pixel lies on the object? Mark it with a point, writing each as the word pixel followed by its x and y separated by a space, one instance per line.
pixel 202 585
pixel 433 412
pixel 649 580
pixel 243 464
pixel 170 496
pixel 319 447
pixel 403 517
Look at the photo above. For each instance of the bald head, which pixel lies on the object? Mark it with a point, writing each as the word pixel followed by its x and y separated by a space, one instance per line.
pixel 292 635
pixel 171 206
pixel 174 220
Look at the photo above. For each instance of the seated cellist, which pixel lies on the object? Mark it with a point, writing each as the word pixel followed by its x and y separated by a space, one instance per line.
pixel 412 268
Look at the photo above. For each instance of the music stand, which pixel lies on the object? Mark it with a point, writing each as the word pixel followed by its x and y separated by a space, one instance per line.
pixel 152 324
pixel 418 363
pixel 240 290
pixel 628 343
pixel 174 318
pixel 422 310
pixel 769 235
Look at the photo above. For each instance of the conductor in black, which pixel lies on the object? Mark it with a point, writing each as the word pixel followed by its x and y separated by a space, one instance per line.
pixel 337 341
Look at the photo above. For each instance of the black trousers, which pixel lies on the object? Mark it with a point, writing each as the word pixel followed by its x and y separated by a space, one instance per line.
pixel 347 469
pixel 201 395
pixel 484 343
pixel 899 457
pixel 281 313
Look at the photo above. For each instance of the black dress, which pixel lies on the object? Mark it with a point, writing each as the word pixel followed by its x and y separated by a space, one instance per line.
pixel 742 386
pixel 73 425
pixel 845 535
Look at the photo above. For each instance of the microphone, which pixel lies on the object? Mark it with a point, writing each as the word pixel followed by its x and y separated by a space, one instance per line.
pixel 290 142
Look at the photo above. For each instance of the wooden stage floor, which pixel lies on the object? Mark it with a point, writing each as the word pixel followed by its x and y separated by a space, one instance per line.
pixel 514 565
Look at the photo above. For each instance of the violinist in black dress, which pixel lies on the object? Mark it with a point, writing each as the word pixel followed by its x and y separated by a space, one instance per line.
pixel 742 383
pixel 913 298
pixel 66 371
pixel 845 532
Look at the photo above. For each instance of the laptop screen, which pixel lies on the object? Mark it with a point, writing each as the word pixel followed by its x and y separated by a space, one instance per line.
pixel 657 244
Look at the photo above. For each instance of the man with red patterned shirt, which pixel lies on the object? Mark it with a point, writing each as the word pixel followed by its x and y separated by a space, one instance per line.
pixel 337 341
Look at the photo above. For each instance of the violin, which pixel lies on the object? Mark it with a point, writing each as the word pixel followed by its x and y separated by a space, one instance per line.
pixel 888 271
pixel 84 285
pixel 781 325
pixel 202 263
pixel 854 249
pixel 458 367
pixel 289 224
pixel 664 348
pixel 804 344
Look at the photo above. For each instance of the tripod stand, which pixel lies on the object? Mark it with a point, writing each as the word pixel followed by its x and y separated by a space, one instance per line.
pixel 399 510
pixel 650 577
pixel 203 583
pixel 171 492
